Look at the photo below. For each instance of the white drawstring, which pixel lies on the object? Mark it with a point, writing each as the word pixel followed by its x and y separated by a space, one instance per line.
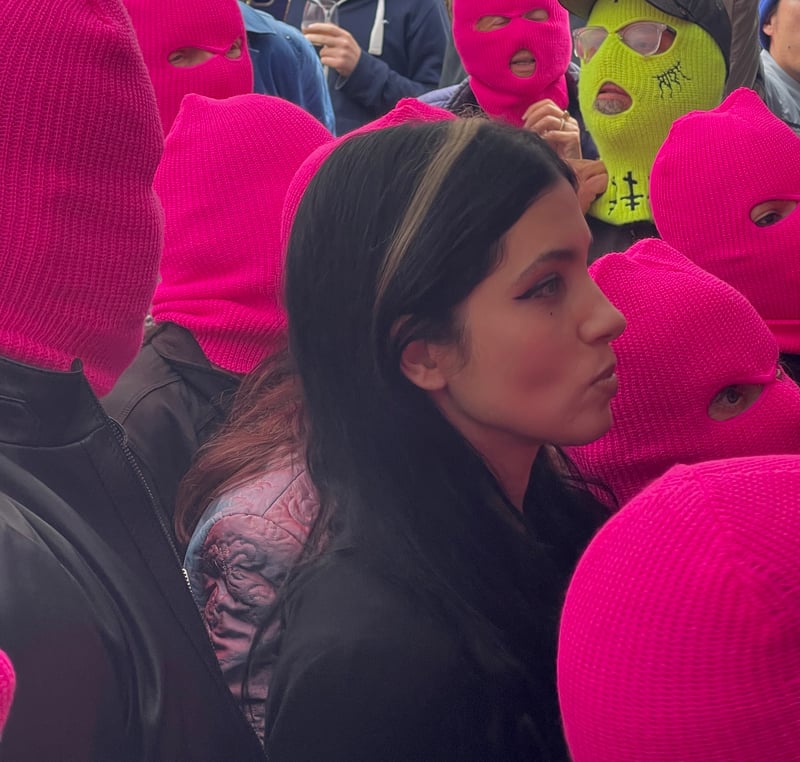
pixel 376 35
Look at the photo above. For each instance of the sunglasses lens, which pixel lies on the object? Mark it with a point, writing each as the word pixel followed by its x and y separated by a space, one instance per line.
pixel 644 37
pixel 588 40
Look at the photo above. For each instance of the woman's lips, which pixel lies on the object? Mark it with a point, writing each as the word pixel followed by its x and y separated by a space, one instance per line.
pixel 522 64
pixel 612 99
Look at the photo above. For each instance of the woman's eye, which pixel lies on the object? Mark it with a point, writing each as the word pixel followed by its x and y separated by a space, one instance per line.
pixel 544 289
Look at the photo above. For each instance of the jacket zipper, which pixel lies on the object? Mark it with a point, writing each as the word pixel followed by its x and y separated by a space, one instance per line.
pixel 122 438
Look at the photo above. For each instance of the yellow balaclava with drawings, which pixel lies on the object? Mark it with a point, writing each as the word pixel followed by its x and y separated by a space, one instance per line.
pixel 640 70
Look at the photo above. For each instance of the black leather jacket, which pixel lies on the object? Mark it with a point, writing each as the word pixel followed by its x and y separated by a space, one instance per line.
pixel 52 426
pixel 169 401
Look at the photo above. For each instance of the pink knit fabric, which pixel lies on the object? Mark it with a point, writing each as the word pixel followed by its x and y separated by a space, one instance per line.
pixel 714 167
pixel 80 225
pixel 8 682
pixel 680 635
pixel 487 55
pixel 222 181
pixel 406 110
pixel 689 336
pixel 211 25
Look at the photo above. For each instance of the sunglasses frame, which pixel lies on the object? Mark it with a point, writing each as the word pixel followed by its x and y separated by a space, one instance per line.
pixel 661 27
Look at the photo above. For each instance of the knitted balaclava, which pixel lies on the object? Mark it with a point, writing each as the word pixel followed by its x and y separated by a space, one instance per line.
pixel 8 681
pixel 689 75
pixel 222 181
pixel 406 110
pixel 486 55
pixel 689 336
pixel 713 169
pixel 680 634
pixel 211 25
pixel 80 225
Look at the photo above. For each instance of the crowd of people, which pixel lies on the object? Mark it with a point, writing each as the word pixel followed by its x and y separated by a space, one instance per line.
pixel 420 383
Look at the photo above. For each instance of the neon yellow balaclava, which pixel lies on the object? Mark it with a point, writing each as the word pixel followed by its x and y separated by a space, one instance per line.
pixel 689 76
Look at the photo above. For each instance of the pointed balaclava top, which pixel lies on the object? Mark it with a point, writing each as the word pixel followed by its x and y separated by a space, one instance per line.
pixel 80 226
pixel 689 337
pixel 223 180
pixel 680 633
pixel 538 26
pixel 210 25
pixel 689 75
pixel 714 169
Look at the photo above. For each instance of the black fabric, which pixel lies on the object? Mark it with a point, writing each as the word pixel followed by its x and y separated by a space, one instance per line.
pixel 607 237
pixel 52 426
pixel 366 671
pixel 88 683
pixel 792 365
pixel 170 401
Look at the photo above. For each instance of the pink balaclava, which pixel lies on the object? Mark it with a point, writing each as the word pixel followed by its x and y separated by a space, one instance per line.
pixel 406 110
pixel 486 55
pixel 80 225
pixel 713 169
pixel 680 634
pixel 211 25
pixel 8 681
pixel 689 336
pixel 222 181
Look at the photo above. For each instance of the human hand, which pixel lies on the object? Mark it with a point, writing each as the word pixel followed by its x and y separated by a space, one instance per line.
pixel 556 126
pixel 339 50
pixel 592 180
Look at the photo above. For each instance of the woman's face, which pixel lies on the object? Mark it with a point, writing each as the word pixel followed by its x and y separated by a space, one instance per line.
pixel 535 365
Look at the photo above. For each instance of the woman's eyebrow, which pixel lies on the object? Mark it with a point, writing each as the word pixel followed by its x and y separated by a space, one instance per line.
pixel 560 255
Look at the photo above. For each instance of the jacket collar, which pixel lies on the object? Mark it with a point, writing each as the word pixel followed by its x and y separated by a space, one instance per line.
pixel 46 408
pixel 180 350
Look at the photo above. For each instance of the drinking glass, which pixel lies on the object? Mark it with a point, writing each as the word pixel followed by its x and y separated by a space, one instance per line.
pixel 319 11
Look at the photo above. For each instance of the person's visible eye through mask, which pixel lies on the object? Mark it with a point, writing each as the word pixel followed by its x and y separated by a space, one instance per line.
pixel 733 400
pixel 188 57
pixel 772 212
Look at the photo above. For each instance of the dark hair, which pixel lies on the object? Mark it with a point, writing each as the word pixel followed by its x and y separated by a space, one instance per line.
pixel 393 233
pixel 265 428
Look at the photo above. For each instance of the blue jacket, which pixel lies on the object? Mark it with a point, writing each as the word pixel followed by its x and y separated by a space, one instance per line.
pixel 285 64
pixel 409 64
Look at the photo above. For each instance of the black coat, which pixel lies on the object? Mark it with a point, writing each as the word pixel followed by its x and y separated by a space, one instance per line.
pixel 89 685
pixel 52 425
pixel 169 401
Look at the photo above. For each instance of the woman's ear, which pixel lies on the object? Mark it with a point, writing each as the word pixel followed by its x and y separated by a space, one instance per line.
pixel 421 363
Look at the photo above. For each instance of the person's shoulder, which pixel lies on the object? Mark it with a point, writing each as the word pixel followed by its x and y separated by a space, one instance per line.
pixel 411 692
pixel 257 21
pixel 347 603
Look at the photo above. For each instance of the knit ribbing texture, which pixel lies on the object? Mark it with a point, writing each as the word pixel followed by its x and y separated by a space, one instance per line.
pixel 714 168
pixel 222 181
pixel 689 336
pixel 487 55
pixel 680 635
pixel 80 225
pixel 209 25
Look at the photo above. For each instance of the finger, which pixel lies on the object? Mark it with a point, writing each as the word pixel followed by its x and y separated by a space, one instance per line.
pixel 549 123
pixel 566 144
pixel 321 27
pixel 544 106
pixel 321 39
